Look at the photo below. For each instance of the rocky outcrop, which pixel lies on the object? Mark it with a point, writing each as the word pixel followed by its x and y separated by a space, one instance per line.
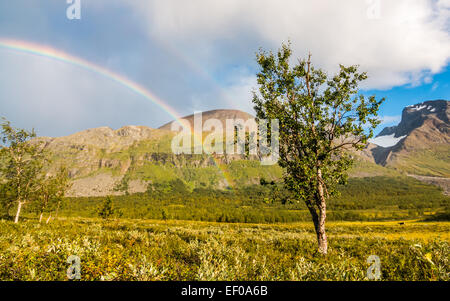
pixel 444 183
pixel 424 127
pixel 387 131
pixel 100 159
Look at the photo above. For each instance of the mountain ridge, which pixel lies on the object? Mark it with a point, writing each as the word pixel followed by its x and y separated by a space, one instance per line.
pixel 220 114
pixel 423 131
pixel 104 161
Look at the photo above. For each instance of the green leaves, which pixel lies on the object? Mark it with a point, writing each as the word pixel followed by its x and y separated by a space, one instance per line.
pixel 22 176
pixel 322 120
pixel 22 162
pixel 106 210
pixel 51 191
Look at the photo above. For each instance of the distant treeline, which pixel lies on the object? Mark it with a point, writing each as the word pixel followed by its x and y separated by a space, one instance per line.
pixel 363 199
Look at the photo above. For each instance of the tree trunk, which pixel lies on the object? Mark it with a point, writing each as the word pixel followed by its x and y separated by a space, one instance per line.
pixel 40 217
pixel 320 228
pixel 321 234
pixel 57 209
pixel 19 207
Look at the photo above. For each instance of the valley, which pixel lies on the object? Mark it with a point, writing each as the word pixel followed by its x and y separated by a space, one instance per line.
pixel 104 161
pixel 201 217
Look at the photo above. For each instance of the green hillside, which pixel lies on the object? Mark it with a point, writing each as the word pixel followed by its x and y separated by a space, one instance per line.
pixel 434 161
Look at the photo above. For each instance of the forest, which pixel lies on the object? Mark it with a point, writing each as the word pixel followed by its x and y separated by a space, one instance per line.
pixel 363 199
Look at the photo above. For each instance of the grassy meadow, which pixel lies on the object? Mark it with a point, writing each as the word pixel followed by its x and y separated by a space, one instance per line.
pixel 123 249
pixel 250 233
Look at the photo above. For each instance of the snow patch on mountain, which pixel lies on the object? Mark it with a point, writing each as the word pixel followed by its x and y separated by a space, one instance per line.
pixel 419 108
pixel 387 140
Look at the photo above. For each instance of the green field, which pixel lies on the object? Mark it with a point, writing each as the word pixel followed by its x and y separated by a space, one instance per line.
pixel 172 232
pixel 184 250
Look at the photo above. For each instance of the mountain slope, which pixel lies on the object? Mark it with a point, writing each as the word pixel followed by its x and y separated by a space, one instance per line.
pixel 104 161
pixel 421 141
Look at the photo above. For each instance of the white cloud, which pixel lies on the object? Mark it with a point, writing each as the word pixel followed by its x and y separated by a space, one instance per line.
pixel 199 54
pixel 408 43
pixel 235 95
pixel 385 120
pixel 59 99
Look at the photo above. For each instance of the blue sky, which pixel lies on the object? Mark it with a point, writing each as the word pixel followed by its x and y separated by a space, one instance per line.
pixel 405 95
pixel 199 55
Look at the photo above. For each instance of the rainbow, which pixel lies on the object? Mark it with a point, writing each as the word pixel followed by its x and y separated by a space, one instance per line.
pixel 51 53
pixel 54 54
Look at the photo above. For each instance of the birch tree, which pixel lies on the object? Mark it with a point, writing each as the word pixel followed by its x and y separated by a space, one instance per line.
pixel 322 119
pixel 51 192
pixel 21 167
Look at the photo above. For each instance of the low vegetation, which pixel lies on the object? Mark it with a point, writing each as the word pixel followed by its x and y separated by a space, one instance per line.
pixel 180 250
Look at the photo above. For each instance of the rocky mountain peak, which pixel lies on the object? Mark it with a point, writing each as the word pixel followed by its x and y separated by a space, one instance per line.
pixel 414 116
pixel 221 115
pixel 387 131
pixel 420 143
